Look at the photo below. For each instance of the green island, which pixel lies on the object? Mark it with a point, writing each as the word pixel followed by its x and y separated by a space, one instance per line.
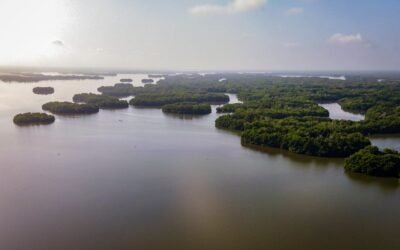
pixel 118 90
pixel 187 108
pixel 161 99
pixel 371 161
pixel 33 119
pixel 147 81
pixel 126 80
pixel 158 95
pixel 102 101
pixel 69 108
pixel 43 90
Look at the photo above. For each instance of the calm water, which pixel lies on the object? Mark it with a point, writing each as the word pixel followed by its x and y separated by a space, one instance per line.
pixel 140 179
pixel 337 113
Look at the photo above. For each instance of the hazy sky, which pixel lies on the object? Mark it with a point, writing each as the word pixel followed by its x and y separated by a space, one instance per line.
pixel 202 34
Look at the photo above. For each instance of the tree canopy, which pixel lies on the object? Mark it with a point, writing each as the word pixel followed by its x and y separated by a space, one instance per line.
pixel 69 108
pixel 33 119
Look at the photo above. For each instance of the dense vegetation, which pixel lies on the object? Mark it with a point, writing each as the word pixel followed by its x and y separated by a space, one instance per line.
pixel 187 108
pixel 126 80
pixel 159 100
pixel 69 108
pixel 147 80
pixel 371 161
pixel 159 95
pixel 310 136
pixel 102 101
pixel 33 119
pixel 118 90
pixel 43 90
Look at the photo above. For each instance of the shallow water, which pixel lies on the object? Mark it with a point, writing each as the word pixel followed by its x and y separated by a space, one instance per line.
pixel 337 113
pixel 386 141
pixel 141 179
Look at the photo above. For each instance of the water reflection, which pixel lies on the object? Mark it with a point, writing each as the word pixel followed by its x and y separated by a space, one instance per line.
pixel 184 116
pixel 304 160
pixel 385 184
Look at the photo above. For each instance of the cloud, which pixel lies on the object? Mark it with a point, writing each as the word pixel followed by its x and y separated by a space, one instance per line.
pixel 294 11
pixel 343 39
pixel 58 43
pixel 233 7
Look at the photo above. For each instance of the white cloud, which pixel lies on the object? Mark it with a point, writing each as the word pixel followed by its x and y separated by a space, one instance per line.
pixel 294 11
pixel 343 39
pixel 233 7
pixel 58 43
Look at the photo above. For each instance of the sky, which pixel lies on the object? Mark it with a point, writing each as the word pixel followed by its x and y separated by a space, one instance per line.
pixel 234 35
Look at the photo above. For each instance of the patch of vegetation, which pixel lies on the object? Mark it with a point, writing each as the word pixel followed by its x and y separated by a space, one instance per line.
pixel 306 135
pixel 147 81
pixel 102 101
pixel 159 100
pixel 187 108
pixel 118 90
pixel 371 161
pixel 126 80
pixel 33 119
pixel 158 95
pixel 43 90
pixel 69 108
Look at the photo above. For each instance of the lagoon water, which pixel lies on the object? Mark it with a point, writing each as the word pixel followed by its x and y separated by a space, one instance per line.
pixel 337 113
pixel 141 179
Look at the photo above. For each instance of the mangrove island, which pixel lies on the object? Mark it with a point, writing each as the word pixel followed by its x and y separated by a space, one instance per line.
pixel 126 80
pixel 102 101
pixel 371 161
pixel 187 108
pixel 33 119
pixel 43 90
pixel 69 108
pixel 147 81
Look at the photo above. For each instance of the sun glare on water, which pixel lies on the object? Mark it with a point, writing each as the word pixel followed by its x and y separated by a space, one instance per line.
pixel 29 29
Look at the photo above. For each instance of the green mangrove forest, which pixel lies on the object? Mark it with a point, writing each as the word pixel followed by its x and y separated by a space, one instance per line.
pixel 102 101
pixel 126 80
pixel 187 108
pixel 118 90
pixel 159 95
pixel 33 119
pixel 147 81
pixel 69 108
pixel 43 90
pixel 371 161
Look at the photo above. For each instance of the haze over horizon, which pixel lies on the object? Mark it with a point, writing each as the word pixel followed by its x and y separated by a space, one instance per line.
pixel 219 35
